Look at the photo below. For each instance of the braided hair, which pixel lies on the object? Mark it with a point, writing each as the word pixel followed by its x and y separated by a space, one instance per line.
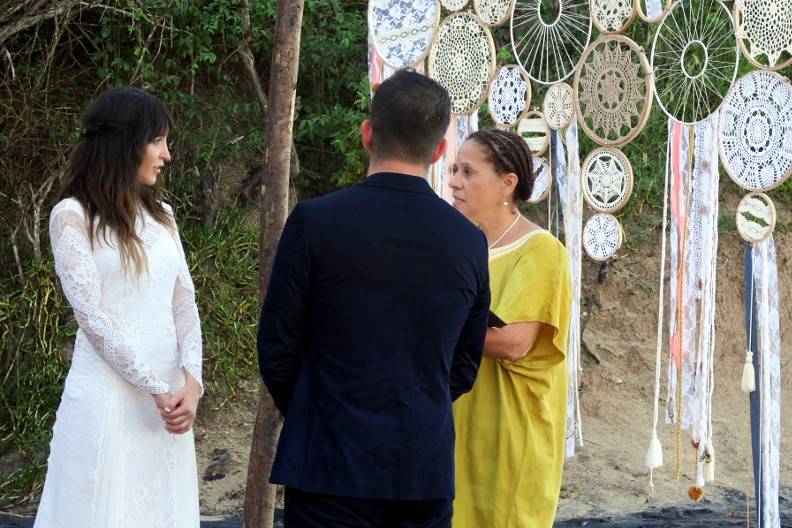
pixel 508 152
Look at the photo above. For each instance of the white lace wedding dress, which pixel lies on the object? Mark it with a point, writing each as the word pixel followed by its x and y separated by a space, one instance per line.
pixel 112 464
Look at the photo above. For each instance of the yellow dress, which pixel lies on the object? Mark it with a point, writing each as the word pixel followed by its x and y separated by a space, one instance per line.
pixel 510 428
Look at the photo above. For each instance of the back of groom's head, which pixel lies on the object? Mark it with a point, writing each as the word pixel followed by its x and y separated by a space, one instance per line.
pixel 409 118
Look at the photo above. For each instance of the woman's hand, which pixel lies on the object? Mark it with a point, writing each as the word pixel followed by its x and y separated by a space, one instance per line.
pixel 183 407
pixel 163 401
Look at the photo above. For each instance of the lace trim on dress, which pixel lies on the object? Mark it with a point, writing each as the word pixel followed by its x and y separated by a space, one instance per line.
pixel 186 318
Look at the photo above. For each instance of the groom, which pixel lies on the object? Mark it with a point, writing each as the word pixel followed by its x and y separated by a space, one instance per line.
pixel 373 323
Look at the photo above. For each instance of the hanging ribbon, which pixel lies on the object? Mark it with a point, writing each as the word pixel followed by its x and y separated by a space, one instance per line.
pixel 765 280
pixel 755 408
pixel 694 243
pixel 654 456
pixel 567 174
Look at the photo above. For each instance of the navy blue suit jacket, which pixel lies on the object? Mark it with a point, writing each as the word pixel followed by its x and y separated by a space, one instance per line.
pixel 373 323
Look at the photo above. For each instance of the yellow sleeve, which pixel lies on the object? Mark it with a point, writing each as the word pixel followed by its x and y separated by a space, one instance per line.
pixel 539 289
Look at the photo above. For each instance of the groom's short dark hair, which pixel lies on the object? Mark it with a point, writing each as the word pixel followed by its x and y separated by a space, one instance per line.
pixel 409 117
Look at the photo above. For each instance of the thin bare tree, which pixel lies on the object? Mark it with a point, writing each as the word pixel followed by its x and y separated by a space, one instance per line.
pixel 274 204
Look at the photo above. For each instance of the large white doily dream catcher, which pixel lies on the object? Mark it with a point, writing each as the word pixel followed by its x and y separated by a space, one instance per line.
pixel 764 31
pixel 607 179
pixel 613 89
pixel 493 12
pixel 558 106
pixel 462 60
pixel 509 95
pixel 613 16
pixel 694 59
pixel 756 131
pixel 602 237
pixel 403 31
pixel 549 36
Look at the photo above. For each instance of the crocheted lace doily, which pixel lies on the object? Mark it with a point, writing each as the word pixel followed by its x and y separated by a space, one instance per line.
pixel 764 28
pixel 614 91
pixel 533 128
pixel 493 12
pixel 756 217
pixel 612 16
pixel 756 131
pixel 549 45
pixel 694 59
pixel 542 180
pixel 602 237
pixel 509 95
pixel 401 30
pixel 607 180
pixel 454 5
pixel 462 59
pixel 558 106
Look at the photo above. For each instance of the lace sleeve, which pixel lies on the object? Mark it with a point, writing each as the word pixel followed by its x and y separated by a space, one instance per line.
pixel 185 315
pixel 82 286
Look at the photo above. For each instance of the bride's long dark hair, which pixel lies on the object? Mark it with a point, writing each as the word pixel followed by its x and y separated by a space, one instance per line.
pixel 103 170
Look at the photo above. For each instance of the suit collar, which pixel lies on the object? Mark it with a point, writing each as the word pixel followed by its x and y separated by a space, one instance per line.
pixel 399 182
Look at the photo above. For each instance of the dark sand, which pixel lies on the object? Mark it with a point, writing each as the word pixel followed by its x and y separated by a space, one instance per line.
pixel 659 518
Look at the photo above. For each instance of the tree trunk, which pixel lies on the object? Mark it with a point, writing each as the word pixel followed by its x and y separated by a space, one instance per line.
pixel 274 203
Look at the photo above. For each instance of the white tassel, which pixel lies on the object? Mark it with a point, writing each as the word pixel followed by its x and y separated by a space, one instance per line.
pixel 700 475
pixel 654 457
pixel 749 376
pixel 709 463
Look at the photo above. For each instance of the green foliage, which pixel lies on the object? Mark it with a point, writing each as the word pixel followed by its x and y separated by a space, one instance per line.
pixel 223 263
pixel 34 326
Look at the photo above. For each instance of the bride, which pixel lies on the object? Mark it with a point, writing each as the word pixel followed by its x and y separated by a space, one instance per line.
pixel 122 451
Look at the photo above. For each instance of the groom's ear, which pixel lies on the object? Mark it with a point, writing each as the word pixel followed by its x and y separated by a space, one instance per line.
pixel 366 134
pixel 440 150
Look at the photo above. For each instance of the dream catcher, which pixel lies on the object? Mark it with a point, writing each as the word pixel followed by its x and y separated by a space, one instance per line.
pixel 756 131
pixel 756 218
pixel 542 180
pixel 493 12
pixel 558 106
pixel 694 59
pixel 509 95
pixel 756 148
pixel 652 10
pixel 613 16
pixel 602 237
pixel 613 90
pixel 534 130
pixel 755 222
pixel 462 60
pixel 549 43
pixel 402 32
pixel 764 31
pixel 607 180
